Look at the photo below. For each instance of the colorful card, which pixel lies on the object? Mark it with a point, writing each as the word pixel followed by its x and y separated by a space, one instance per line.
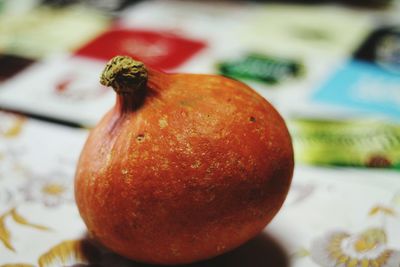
pixel 10 65
pixel 195 20
pixel 346 143
pixel 304 30
pixel 65 89
pixel 370 82
pixel 382 48
pixel 104 5
pixel 11 8
pixel 45 31
pixel 262 68
pixel 161 50
pixel 365 87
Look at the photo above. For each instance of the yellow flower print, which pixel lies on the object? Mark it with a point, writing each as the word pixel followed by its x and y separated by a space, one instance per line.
pixel 53 189
pixel 11 125
pixel 82 253
pixel 5 234
pixel 50 192
pixel 367 249
pixel 67 253
pixel 383 210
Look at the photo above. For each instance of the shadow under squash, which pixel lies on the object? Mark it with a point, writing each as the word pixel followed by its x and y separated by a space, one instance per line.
pixel 261 251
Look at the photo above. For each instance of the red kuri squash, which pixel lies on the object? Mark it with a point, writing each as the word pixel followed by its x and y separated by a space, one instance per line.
pixel 183 168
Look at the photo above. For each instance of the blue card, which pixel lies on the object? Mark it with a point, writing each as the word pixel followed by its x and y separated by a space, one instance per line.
pixel 363 86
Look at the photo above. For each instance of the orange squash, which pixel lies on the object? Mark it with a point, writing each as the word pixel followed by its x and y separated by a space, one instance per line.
pixel 184 167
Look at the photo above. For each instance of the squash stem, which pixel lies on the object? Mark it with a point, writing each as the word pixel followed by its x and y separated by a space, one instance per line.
pixel 128 78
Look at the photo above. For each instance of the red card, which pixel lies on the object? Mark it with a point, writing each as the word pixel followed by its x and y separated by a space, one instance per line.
pixel 157 49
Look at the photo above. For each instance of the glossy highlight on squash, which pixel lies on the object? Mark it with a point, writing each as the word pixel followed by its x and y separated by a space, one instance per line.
pixel 183 168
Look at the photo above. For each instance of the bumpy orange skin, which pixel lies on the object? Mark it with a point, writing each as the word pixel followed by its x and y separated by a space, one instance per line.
pixel 201 167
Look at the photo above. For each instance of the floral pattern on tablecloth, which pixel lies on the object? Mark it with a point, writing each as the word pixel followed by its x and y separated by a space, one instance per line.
pixel 332 217
pixel 36 176
pixel 367 248
pixel 52 190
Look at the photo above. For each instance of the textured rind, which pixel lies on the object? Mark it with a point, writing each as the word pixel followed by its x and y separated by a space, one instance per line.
pixel 201 167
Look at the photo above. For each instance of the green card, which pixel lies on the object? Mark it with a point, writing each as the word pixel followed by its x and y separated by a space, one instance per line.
pixel 346 143
pixel 261 68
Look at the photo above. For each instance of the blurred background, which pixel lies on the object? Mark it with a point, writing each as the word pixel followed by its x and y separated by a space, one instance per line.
pixel 331 68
